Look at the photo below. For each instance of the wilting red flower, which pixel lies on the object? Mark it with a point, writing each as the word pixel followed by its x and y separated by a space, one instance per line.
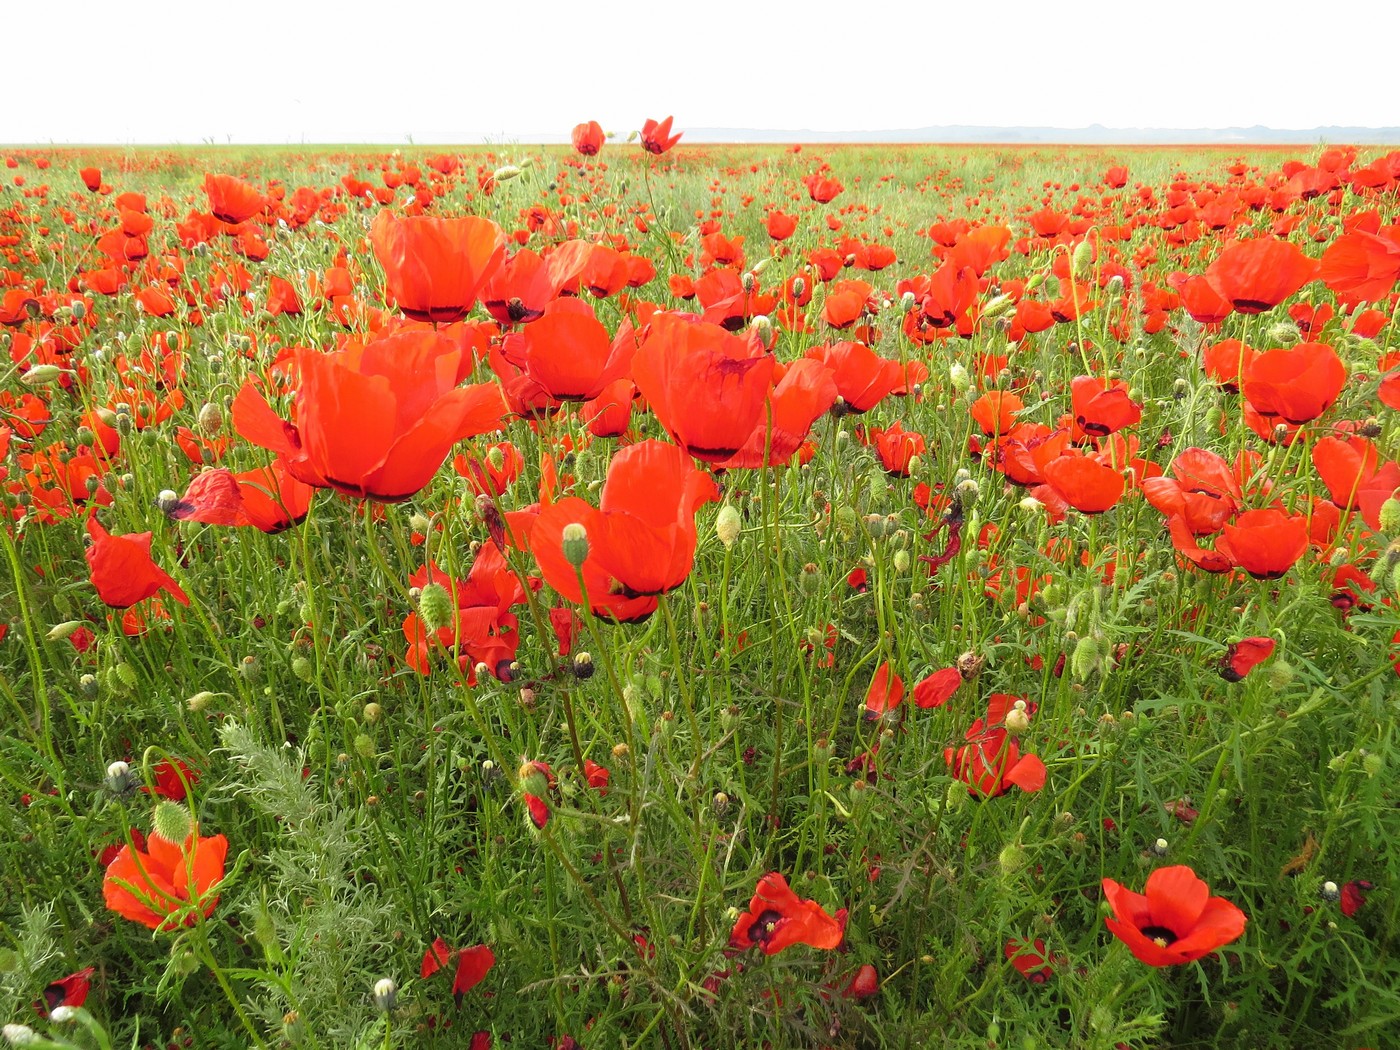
pixel 1242 656
pixel 1264 543
pixel 232 200
pixel 992 761
pixel 777 918
pixel 66 991
pixel 1354 896
pixel 1297 384
pixel 155 888
pixel 1253 276
pixel 588 138
pixel 937 689
pixel 1175 921
pixel 657 137
pixel 472 965
pixel 434 268
pixel 640 539
pixel 265 498
pixel 480 627
pixel 374 420
pixel 885 693
pixel 171 777
pixel 122 569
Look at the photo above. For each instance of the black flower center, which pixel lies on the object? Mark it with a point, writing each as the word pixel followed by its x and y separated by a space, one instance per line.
pixel 1160 936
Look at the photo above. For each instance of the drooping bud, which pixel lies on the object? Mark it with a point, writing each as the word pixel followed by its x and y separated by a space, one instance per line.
pixel 172 822
pixel 435 607
pixel 43 375
pixel 1390 516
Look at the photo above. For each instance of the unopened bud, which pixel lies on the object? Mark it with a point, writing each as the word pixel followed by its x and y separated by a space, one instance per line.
pixel 1390 516
pixel 506 172
pixel 727 525
pixel 167 500
pixel 435 607
pixel 58 632
pixel 385 995
pixel 172 822
pixel 42 375
pixel 575 544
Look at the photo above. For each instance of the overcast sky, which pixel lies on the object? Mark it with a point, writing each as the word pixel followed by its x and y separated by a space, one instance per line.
pixel 159 71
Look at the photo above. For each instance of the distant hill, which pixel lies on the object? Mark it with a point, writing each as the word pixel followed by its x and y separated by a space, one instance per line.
pixel 1095 134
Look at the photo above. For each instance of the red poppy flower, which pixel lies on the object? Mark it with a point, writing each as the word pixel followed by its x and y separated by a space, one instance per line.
pixel 780 225
pixel 265 498
pixel 640 539
pixel 708 388
pixel 804 392
pixel 1362 266
pixel 155 888
pixel 1297 384
pixel 472 965
pixel 1101 406
pixel 1084 482
pixel 657 137
pixel 1243 656
pixel 777 918
pixel 434 268
pixel 995 412
pixel 864 984
pixel 588 138
pixel 92 178
pixel 1264 543
pixel 1175 921
pixel 374 420
pixel 1253 276
pixel 1345 466
pixel 1030 960
pixel 1354 896
pixel 1203 491
pixel 66 991
pixel 232 200
pixel 895 446
pixel 568 352
pixel 122 569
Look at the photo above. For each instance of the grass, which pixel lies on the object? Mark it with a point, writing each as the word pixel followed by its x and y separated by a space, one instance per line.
pixel 370 809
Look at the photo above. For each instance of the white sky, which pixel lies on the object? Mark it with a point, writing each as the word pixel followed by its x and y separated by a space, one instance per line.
pixel 141 71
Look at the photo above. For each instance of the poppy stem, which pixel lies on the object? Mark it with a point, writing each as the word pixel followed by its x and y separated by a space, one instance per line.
pixel 201 940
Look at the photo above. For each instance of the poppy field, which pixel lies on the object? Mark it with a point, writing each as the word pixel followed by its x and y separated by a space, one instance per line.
pixel 638 594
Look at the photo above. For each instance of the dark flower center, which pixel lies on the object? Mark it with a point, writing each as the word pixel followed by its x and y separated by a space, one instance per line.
pixel 762 928
pixel 1160 936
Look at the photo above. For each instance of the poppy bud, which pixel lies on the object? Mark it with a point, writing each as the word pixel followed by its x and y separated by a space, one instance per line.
pixel 907 302
pixel 1159 848
pixel 506 172
pixel 118 778
pixel 1086 658
pixel 1390 516
pixel 199 701
pixel 1372 764
pixel 172 822
pixel 747 281
pixel 42 375
pixel 167 500
pixel 902 561
pixel 1081 259
pixel 727 525
pixel 583 666
pixel 1012 859
pixel 385 994
pixel 59 632
pixel 249 668
pixel 1017 720
pixel 21 1035
pixel 88 686
pixel 435 607
pixel 575 544
pixel 798 287
pixel 79 309
pixel 763 328
pixel 1331 891
pixel 959 379
pixel 1284 334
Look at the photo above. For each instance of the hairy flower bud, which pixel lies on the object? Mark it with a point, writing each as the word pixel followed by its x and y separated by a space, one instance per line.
pixel 727 525
pixel 575 544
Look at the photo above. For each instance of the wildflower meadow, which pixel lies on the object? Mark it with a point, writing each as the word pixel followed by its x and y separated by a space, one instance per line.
pixel 638 594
